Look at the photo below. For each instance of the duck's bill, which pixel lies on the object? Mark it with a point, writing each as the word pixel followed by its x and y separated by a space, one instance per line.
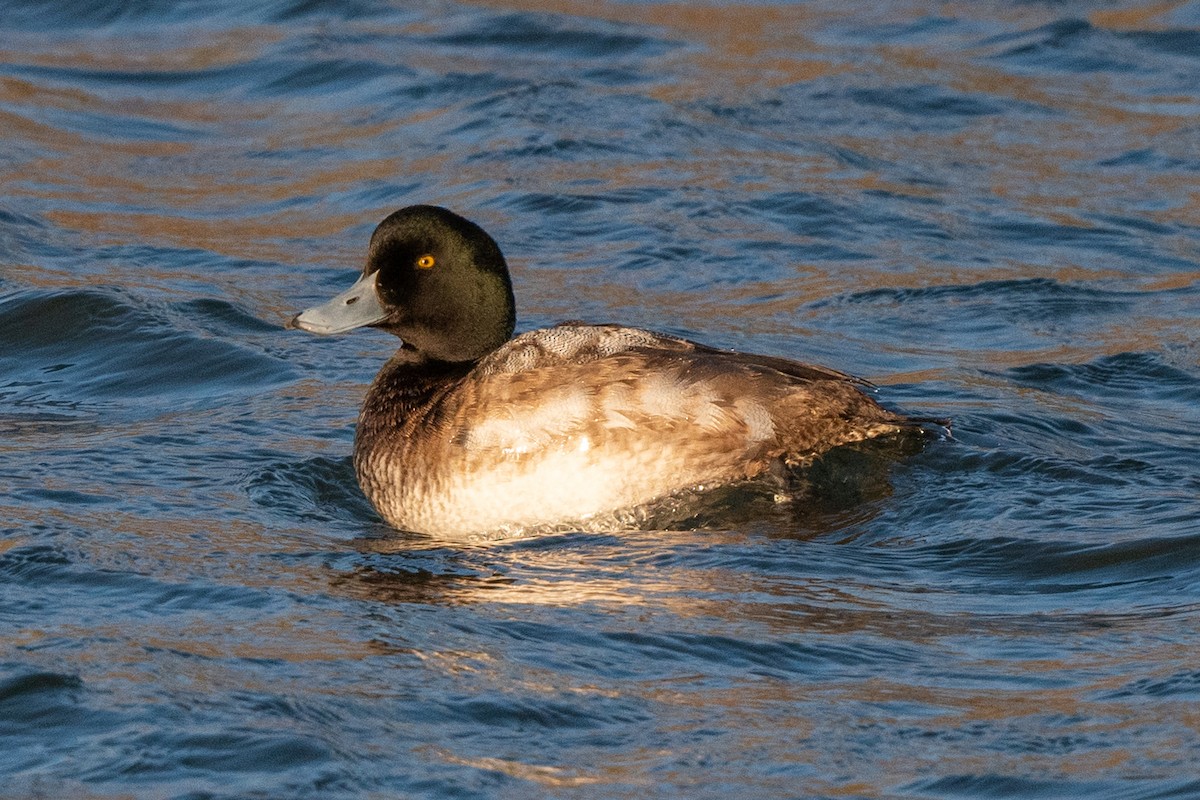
pixel 353 308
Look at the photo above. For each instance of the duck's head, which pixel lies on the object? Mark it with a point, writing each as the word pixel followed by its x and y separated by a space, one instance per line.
pixel 434 279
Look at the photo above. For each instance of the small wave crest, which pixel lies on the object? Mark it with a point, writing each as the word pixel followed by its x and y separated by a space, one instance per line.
pixel 65 352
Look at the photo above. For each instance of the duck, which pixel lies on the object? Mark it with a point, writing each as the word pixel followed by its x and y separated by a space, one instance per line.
pixel 471 432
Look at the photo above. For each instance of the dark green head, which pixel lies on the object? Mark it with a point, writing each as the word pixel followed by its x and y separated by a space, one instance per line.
pixel 434 279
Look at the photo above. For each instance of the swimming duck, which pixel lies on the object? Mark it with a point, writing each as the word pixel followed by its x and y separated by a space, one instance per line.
pixel 470 431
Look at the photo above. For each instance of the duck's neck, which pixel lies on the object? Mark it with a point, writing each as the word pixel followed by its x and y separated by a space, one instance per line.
pixel 408 381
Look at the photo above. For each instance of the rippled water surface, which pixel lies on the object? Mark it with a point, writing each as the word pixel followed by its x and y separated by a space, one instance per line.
pixel 991 210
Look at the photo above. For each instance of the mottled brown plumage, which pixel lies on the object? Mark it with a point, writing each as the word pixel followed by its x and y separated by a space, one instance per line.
pixel 573 425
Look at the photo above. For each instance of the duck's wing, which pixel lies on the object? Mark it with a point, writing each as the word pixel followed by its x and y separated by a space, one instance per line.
pixel 794 369
pixel 625 387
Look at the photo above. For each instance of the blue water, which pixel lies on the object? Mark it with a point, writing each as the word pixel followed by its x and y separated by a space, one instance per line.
pixel 988 209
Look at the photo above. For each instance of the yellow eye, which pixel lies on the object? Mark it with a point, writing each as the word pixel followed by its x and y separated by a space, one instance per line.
pixel 425 262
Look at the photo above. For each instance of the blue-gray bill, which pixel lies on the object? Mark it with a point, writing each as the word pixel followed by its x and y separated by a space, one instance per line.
pixel 354 308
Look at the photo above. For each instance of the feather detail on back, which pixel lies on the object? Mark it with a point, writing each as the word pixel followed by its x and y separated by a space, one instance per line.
pixel 573 342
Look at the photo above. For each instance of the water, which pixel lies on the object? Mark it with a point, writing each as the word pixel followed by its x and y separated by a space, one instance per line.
pixel 988 209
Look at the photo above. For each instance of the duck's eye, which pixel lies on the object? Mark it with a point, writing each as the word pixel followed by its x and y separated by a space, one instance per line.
pixel 426 262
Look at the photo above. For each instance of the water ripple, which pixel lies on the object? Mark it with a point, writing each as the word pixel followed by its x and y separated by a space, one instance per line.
pixel 86 345
pixel 988 211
